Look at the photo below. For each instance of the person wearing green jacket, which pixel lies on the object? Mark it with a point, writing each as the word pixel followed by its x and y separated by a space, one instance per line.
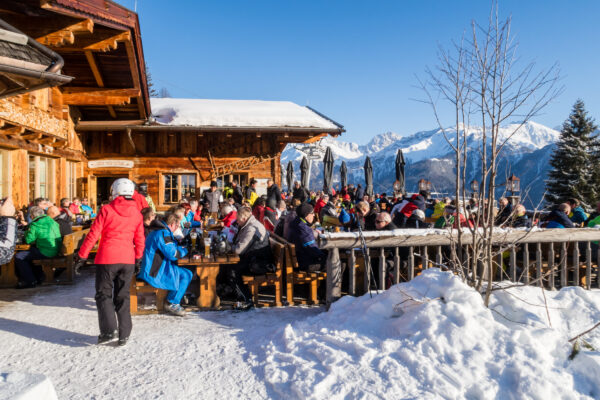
pixel 44 236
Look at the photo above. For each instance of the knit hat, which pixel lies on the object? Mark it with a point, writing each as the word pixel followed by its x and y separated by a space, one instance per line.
pixel 304 209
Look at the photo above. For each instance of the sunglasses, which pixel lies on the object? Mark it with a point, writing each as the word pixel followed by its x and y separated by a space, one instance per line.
pixel 380 222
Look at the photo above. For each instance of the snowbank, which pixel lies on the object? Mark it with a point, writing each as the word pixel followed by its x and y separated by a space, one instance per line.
pixel 434 338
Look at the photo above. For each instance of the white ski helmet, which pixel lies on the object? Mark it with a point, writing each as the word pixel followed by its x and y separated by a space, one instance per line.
pixel 122 187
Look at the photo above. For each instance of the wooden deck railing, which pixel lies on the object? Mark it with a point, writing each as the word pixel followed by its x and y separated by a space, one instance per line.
pixel 549 257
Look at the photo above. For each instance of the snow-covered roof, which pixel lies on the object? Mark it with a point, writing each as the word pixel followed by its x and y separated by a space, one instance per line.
pixel 238 114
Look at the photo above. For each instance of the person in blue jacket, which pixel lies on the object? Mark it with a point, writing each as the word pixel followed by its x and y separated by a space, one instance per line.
pixel 559 217
pixel 578 214
pixel 310 257
pixel 159 264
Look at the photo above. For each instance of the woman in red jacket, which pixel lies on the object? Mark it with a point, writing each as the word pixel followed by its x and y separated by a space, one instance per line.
pixel 121 227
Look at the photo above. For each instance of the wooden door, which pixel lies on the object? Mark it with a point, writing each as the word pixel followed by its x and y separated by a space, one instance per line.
pixel 91 192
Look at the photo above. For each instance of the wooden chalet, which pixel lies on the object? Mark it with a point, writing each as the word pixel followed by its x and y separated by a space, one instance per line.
pixel 190 142
pixel 99 47
pixel 78 133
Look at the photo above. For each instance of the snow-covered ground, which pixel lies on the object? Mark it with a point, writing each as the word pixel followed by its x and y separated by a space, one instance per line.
pixel 430 338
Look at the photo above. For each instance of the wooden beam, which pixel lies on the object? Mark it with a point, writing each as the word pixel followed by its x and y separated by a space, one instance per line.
pixel 98 77
pixel 82 99
pixel 32 135
pixel 135 76
pixel 92 91
pixel 67 35
pixel 109 44
pixel 12 143
pixel 94 67
pixel 47 140
pixel 17 130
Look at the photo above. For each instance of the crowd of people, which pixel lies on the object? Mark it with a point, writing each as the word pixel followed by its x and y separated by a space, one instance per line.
pixel 136 241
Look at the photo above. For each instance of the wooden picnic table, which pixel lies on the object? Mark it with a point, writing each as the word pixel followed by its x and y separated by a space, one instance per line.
pixel 207 270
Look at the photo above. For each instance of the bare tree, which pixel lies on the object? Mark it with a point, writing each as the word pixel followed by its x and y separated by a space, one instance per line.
pixel 485 84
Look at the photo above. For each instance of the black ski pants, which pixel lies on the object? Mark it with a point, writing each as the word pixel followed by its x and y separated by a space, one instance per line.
pixel 112 297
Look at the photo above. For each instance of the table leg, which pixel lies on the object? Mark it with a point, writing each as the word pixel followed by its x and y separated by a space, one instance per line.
pixel 207 296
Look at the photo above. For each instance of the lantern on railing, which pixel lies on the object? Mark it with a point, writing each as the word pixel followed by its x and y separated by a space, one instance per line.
pixel 424 185
pixel 513 184
pixel 474 186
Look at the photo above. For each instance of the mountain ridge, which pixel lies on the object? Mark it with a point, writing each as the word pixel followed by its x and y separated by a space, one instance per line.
pixel 429 155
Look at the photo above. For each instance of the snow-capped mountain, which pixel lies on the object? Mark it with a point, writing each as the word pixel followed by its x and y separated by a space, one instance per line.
pixel 429 155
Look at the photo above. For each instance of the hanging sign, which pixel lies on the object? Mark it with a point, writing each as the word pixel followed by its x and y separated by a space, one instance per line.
pixel 110 164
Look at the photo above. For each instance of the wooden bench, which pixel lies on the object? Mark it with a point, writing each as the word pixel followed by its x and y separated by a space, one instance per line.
pixel 64 260
pixel 270 279
pixel 294 276
pixel 139 287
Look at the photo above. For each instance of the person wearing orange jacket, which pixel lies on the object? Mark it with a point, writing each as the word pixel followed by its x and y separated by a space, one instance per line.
pixel 119 256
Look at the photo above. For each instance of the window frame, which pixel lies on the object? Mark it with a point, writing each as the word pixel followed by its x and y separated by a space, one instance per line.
pixel 162 186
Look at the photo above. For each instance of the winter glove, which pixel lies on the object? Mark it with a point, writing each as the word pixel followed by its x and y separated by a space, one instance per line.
pixel 78 262
pixel 138 266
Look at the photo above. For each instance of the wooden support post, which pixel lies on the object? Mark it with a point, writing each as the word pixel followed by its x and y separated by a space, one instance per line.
pixel 381 269
pixel 563 264
pixel 551 265
pixel 396 266
pixel 576 264
pixel 438 256
pixel 513 264
pixel 334 276
pixel 501 265
pixel 588 266
pixel 411 263
pixel 352 273
pixel 425 257
pixel 526 262
pixel 538 264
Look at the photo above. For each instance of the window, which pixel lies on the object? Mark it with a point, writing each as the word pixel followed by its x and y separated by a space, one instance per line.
pixel 41 177
pixel 178 185
pixel 5 171
pixel 71 179
pixel 240 178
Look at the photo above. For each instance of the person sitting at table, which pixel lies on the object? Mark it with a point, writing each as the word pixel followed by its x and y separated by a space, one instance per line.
pixel 86 208
pixel 148 215
pixel 65 224
pixel 8 231
pixel 44 236
pixel 310 257
pixel 159 263
pixel 230 215
pixel 74 206
pixel 65 206
pixel 252 245
pixel 194 214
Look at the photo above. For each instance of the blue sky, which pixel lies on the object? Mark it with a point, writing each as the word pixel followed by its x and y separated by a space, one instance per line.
pixel 354 61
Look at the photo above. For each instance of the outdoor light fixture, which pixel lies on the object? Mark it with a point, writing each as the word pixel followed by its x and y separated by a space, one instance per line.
pixel 424 185
pixel 474 186
pixel 513 184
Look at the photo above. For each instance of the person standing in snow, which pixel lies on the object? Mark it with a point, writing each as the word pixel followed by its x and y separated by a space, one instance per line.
pixel 119 257
pixel 159 266
pixel 212 198
pixel 273 194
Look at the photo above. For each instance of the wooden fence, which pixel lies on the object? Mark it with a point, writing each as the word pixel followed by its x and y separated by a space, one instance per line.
pixel 549 257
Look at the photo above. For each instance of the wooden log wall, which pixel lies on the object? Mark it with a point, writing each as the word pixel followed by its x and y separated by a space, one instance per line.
pixel 155 154
pixel 39 124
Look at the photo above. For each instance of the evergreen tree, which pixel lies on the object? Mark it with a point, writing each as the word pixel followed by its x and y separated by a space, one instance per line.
pixel 574 160
pixel 151 90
